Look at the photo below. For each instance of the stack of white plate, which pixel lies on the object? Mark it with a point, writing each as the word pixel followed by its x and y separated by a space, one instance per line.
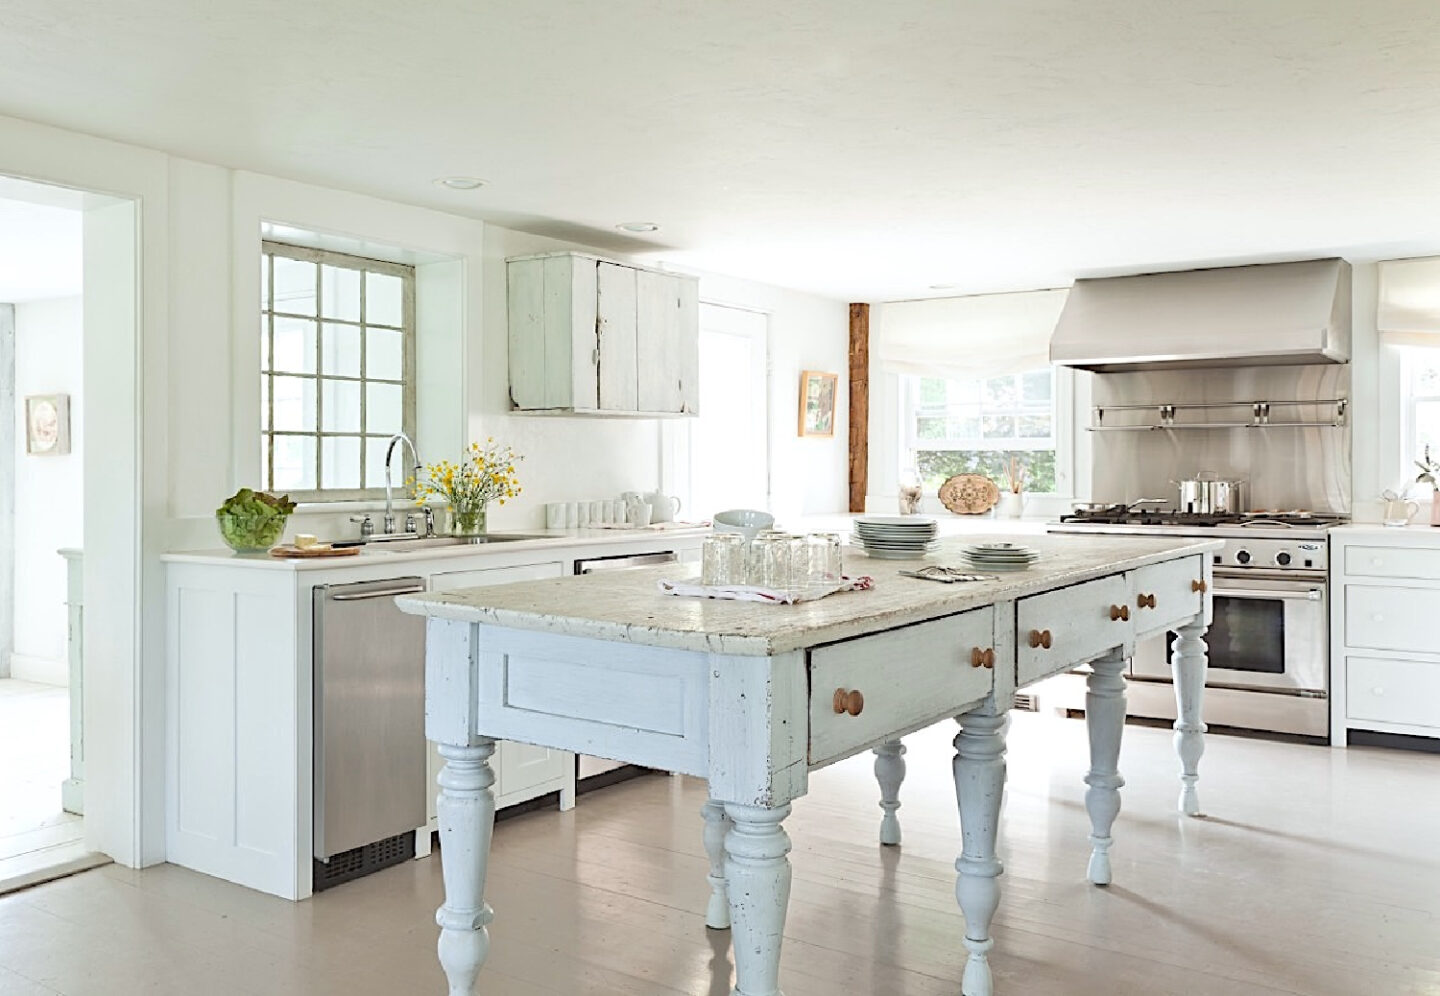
pixel 1000 556
pixel 895 537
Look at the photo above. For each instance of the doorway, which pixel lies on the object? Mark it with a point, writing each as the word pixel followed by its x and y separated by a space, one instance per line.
pixel 729 441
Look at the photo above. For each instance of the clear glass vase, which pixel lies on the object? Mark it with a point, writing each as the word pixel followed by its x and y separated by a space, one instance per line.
pixel 467 521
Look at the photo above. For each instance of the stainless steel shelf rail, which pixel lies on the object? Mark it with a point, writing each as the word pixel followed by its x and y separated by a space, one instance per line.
pixel 1260 416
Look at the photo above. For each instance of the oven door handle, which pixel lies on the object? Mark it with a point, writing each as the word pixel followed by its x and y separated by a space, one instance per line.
pixel 1313 595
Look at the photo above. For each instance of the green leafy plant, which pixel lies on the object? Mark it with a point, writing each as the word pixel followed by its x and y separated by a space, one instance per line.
pixel 253 520
pixel 1429 470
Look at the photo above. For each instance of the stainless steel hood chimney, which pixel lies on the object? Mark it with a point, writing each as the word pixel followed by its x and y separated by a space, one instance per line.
pixel 1268 314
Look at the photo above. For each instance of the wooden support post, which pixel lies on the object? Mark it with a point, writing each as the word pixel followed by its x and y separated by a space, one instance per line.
pixel 859 404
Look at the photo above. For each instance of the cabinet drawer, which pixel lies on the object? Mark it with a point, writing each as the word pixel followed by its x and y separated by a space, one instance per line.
pixel 1172 587
pixel 1078 621
pixel 1391 617
pixel 906 677
pixel 1392 562
pixel 1389 691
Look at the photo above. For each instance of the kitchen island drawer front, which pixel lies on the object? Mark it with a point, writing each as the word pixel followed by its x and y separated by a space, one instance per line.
pixel 1393 691
pixel 1070 626
pixel 1392 562
pixel 1164 595
pixel 1391 618
pixel 904 676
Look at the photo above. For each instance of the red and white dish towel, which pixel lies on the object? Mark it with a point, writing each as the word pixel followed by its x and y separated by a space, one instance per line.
pixel 754 593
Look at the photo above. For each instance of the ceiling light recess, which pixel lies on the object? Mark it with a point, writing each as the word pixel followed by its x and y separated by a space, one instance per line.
pixel 638 227
pixel 460 182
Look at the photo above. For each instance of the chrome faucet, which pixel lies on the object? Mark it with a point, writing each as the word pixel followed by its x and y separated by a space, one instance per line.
pixel 399 437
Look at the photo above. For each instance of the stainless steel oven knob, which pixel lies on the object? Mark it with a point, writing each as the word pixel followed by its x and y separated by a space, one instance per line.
pixel 1242 556
pixel 1282 559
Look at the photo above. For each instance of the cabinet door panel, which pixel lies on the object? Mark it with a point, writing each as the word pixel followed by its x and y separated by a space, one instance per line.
pixel 689 292
pixel 1390 618
pixel 616 307
pixel 1393 691
pixel 525 293
pixel 657 339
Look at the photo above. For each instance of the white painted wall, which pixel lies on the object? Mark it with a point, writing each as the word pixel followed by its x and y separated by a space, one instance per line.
pixel 49 497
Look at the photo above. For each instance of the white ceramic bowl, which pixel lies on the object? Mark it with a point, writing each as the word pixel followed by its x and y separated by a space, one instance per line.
pixel 748 522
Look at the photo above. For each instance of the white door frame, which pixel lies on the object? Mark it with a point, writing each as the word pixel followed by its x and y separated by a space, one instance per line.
pixel 125 472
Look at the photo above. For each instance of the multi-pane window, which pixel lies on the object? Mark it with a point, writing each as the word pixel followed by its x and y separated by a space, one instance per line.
pixel 979 426
pixel 337 361
pixel 1421 397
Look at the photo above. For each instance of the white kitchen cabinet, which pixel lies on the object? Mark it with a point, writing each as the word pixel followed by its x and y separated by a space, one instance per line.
pixel 522 771
pixel 1384 662
pixel 594 336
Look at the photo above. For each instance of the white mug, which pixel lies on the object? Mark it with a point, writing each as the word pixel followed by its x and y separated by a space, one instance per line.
pixel 555 515
pixel 663 507
pixel 637 513
pixel 572 514
pixel 597 512
pixel 617 511
pixel 582 514
pixel 1400 512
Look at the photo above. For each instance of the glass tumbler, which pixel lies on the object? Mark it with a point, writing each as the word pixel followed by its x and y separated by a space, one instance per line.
pixel 722 559
pixel 770 560
pixel 817 562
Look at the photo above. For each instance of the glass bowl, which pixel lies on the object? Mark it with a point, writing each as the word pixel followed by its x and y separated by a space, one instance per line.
pixel 251 533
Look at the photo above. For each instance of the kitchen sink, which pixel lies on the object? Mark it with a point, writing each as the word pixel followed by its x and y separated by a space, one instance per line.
pixel 433 542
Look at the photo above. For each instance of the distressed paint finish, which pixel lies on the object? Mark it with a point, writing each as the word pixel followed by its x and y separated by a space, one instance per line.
pixel 1187 665
pixel 979 788
pixel 890 773
pixel 1105 721
pixel 466 809
pixel 717 825
pixel 757 872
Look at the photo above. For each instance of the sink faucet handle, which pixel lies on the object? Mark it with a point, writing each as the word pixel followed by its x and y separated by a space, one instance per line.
pixel 429 520
pixel 367 525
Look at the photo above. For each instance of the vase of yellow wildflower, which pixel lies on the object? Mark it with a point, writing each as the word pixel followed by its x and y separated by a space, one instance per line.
pixel 486 473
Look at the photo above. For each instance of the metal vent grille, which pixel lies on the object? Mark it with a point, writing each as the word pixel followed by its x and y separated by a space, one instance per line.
pixel 361 861
pixel 1026 702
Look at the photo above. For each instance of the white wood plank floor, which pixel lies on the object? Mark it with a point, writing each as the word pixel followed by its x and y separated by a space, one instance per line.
pixel 1316 872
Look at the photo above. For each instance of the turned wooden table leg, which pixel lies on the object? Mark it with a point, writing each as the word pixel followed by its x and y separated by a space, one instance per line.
pixel 717 825
pixel 890 772
pixel 1188 659
pixel 466 812
pixel 979 787
pixel 757 874
pixel 1105 721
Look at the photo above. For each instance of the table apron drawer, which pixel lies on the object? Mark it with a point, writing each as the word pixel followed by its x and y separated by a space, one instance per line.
pixel 1391 618
pixel 1164 595
pixel 1392 691
pixel 903 677
pixel 1392 562
pixel 1077 623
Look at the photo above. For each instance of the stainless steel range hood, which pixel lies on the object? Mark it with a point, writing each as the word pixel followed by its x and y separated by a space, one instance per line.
pixel 1268 314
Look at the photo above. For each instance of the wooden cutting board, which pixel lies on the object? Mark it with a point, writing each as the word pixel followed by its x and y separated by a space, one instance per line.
pixel 292 552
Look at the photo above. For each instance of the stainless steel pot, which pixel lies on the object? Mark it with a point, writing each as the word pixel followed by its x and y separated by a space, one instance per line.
pixel 1210 494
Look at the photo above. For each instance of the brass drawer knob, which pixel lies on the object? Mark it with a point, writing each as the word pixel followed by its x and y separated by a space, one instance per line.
pixel 982 658
pixel 1040 638
pixel 1118 612
pixel 1145 601
pixel 1199 586
pixel 849 700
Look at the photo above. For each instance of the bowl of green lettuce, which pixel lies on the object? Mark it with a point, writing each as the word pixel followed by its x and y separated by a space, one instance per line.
pixel 252 521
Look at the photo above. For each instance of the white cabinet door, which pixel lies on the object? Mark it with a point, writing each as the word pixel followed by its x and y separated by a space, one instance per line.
pixel 520 769
pixel 616 311
pixel 657 340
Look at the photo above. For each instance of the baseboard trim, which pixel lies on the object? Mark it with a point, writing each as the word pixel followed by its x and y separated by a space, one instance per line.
pixel 42 670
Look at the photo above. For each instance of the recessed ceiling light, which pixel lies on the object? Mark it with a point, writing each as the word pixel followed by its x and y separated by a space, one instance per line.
pixel 942 286
pixel 460 182
pixel 638 226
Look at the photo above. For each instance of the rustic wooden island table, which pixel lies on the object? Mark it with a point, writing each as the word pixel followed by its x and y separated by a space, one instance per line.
pixel 754 697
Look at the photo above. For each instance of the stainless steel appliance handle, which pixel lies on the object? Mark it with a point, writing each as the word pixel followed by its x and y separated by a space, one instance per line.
pixel 382 593
pixel 1313 595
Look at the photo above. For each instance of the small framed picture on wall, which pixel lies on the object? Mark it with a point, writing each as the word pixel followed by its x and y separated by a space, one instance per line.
pixel 47 424
pixel 817 403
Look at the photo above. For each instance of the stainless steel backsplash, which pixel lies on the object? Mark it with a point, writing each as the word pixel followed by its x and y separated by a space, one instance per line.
pixel 1288 468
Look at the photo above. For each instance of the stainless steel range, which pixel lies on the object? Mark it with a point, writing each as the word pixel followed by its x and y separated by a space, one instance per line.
pixel 1269 654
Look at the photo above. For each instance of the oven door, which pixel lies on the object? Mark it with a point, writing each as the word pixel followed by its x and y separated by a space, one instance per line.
pixel 1269 632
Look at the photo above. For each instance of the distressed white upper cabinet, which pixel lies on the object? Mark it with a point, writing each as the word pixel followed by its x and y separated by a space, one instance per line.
pixel 594 336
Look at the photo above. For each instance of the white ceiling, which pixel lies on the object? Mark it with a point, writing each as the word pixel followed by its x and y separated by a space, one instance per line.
pixel 857 149
pixel 41 253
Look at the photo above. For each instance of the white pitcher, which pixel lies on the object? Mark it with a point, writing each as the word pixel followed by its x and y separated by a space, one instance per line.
pixel 663 507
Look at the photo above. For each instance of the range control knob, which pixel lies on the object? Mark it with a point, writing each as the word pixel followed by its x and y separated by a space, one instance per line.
pixel 1283 559
pixel 1242 556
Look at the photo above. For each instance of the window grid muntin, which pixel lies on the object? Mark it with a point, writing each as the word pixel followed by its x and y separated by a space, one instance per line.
pixel 914 411
pixel 319 258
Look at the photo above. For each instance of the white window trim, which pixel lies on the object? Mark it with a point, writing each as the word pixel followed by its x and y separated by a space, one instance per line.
pixel 1398 411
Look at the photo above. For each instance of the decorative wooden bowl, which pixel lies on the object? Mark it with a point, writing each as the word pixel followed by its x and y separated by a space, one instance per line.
pixel 969 494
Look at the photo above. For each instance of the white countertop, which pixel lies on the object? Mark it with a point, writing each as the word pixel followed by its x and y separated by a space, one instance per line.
pixel 379 553
pixel 627 607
